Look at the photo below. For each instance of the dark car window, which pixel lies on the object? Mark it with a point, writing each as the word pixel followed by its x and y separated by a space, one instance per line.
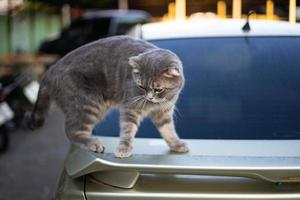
pixel 100 27
pixel 236 88
pixel 124 27
pixel 124 24
pixel 90 29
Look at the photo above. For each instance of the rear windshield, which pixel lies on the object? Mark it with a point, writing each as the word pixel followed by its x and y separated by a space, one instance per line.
pixel 236 88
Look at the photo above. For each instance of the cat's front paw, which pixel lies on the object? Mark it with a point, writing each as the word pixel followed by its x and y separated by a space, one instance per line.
pixel 179 146
pixel 123 151
pixel 95 145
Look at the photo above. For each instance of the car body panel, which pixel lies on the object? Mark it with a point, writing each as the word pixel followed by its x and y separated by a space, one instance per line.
pixel 153 186
pixel 69 188
pixel 213 28
pixel 164 184
pixel 235 158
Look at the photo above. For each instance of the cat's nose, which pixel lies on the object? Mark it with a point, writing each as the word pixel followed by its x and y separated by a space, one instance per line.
pixel 150 95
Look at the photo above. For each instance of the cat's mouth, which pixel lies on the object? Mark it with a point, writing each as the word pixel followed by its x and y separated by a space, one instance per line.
pixel 155 101
pixel 152 100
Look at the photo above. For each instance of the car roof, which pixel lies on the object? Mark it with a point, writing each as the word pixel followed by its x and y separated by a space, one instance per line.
pixel 214 28
pixel 116 14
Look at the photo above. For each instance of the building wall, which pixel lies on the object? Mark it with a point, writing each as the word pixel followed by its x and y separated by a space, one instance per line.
pixel 3 35
pixel 27 32
pixel 158 8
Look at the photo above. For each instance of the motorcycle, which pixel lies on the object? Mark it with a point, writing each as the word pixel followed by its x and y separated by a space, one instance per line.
pixel 17 95
pixel 6 114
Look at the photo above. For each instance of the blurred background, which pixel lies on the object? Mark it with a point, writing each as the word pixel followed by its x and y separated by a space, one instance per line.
pixel 25 25
pixel 34 34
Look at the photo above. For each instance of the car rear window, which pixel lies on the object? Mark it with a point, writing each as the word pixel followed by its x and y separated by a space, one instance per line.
pixel 236 88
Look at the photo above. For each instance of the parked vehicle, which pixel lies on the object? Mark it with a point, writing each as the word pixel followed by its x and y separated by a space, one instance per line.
pixel 17 95
pixel 239 113
pixel 6 114
pixel 91 26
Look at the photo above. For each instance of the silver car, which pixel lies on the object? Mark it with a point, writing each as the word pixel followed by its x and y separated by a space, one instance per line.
pixel 239 112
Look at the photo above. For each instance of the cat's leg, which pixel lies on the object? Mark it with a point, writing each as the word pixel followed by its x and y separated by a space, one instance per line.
pixel 79 124
pixel 129 122
pixel 165 124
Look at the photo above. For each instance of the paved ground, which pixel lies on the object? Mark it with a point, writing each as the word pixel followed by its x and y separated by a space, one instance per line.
pixel 30 169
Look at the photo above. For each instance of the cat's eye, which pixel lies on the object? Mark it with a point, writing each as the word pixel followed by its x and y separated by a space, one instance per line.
pixel 136 71
pixel 158 90
pixel 141 87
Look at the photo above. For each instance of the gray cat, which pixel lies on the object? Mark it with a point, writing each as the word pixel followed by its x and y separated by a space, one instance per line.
pixel 132 75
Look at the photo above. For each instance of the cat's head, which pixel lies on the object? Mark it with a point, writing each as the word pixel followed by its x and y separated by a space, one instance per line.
pixel 157 74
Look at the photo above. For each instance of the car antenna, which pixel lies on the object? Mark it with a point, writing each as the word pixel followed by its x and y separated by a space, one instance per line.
pixel 246 28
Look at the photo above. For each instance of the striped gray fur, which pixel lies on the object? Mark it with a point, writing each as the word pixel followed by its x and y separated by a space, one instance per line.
pixel 117 72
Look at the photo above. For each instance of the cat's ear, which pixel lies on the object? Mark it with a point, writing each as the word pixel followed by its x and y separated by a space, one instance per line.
pixel 133 61
pixel 171 73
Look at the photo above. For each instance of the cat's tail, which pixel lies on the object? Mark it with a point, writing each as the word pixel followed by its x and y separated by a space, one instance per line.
pixel 36 118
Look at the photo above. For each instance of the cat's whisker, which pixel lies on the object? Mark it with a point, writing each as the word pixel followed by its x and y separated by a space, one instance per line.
pixel 139 103
pixel 176 113
pixel 135 99
pixel 167 105
pixel 144 104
